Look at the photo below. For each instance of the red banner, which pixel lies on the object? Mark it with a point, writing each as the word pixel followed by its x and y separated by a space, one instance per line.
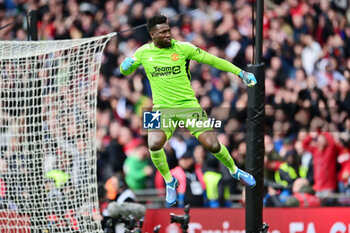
pixel 280 220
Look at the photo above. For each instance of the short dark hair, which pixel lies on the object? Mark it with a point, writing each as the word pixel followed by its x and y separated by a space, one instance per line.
pixel 154 20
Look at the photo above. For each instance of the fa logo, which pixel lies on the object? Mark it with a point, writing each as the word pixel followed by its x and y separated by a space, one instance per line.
pixel 151 120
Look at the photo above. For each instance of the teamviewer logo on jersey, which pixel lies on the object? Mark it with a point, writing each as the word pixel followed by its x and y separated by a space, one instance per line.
pixel 151 120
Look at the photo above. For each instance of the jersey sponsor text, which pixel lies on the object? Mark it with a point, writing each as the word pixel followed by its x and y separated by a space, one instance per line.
pixel 165 71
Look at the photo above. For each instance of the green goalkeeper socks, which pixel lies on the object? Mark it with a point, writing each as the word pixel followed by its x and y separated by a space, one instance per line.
pixel 159 160
pixel 224 156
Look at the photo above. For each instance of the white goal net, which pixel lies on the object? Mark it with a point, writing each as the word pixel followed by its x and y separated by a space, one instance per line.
pixel 47 135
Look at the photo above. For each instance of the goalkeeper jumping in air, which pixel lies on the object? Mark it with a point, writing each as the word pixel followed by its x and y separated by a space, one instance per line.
pixel 166 63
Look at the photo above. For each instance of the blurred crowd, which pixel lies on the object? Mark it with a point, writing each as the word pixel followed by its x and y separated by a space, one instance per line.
pixel 306 51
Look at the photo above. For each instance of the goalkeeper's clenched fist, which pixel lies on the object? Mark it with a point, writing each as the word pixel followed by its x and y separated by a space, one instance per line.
pixel 127 63
pixel 248 78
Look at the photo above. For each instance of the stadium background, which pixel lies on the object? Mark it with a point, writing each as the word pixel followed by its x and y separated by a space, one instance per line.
pixel 306 50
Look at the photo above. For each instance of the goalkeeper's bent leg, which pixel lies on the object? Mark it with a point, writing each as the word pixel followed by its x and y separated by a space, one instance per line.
pixel 210 142
pixel 224 156
pixel 244 177
pixel 159 160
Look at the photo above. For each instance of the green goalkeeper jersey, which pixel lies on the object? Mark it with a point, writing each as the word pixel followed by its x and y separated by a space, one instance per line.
pixel 168 71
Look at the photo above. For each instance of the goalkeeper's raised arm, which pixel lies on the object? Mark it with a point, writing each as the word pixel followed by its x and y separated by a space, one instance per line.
pixel 201 56
pixel 221 64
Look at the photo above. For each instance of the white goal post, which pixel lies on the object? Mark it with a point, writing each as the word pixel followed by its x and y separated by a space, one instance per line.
pixel 48 95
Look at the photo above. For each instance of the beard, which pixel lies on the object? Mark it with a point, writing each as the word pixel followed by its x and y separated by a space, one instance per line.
pixel 165 44
pixel 162 43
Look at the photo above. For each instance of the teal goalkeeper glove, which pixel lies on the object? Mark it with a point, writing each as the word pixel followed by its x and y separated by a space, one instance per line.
pixel 248 78
pixel 127 63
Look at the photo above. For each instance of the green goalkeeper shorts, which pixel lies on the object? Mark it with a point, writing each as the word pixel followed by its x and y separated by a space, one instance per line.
pixel 194 119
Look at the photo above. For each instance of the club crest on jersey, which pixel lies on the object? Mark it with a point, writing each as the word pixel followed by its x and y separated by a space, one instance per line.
pixel 174 57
